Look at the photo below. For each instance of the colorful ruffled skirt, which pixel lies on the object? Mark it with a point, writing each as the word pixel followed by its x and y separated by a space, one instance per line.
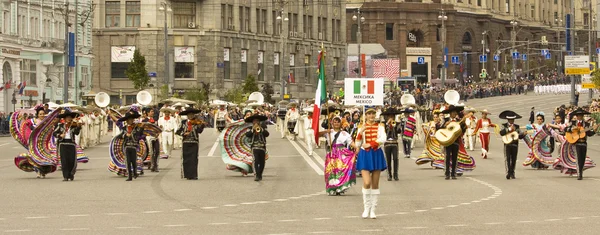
pixel 465 162
pixel 339 170
pixel 567 160
pixel 432 153
pixel 540 154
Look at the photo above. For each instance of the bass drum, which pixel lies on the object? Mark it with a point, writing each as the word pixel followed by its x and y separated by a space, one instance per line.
pixel 220 124
pixel 281 113
pixel 291 125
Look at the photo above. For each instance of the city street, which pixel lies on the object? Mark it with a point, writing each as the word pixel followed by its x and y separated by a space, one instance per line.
pixel 291 199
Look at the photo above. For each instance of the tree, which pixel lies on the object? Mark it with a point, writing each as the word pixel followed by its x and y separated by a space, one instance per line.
pixel 136 71
pixel 235 95
pixel 194 94
pixel 206 89
pixel 267 92
pixel 250 85
pixel 163 92
pixel 596 78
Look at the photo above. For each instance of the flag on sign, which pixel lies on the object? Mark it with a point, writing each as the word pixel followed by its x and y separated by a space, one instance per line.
pixel 22 87
pixel 291 78
pixel 320 94
pixel 364 87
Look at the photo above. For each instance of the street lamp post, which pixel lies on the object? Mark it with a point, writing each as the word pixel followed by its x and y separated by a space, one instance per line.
pixel 513 36
pixel 356 18
pixel 281 18
pixel 483 52
pixel 559 61
pixel 443 17
pixel 165 7
pixel 591 22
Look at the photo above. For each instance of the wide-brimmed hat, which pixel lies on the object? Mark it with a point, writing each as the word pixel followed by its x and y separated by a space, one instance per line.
pixel 129 115
pixel 508 114
pixel 408 110
pixel 580 111
pixel 190 111
pixel 485 111
pixel 254 117
pixel 470 109
pixel 67 113
pixel 453 108
pixel 167 110
pixel 391 111
pixel 370 109
pixel 330 109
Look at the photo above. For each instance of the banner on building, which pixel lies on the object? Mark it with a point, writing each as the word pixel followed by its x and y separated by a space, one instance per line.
pixel 226 54
pixel 184 54
pixel 386 68
pixel 292 59
pixel 354 69
pixel 260 57
pixel 121 53
pixel 276 59
pixel 244 56
pixel 363 91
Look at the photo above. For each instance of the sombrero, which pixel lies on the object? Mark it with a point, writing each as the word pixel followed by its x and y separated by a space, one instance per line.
pixel 129 115
pixel 190 111
pixel 580 111
pixel 508 114
pixel 67 113
pixel 254 117
pixel 453 108
pixel 391 111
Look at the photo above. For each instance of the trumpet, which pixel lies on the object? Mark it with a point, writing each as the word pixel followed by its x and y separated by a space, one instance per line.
pixel 258 129
pixel 393 123
pixel 197 122
pixel 337 113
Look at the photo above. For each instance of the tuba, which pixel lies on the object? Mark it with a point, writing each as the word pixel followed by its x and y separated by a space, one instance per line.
pixel 452 97
pixel 144 98
pixel 407 99
pixel 102 99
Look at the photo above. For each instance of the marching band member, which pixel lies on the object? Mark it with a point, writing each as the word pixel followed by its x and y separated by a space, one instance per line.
pixel 371 160
pixel 392 129
pixel 576 126
pixel 291 118
pixel 153 143
pixel 168 126
pixel 221 118
pixel 452 149
pixel 258 143
pixel 309 135
pixel 131 134
pixel 97 130
pixel 511 149
pixel 189 130
pixel 409 130
pixel 177 140
pixel 65 135
pixel 471 123
pixel 484 133
pixel 281 116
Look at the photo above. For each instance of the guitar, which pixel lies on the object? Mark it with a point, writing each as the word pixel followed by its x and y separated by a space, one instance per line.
pixel 510 137
pixel 578 133
pixel 446 136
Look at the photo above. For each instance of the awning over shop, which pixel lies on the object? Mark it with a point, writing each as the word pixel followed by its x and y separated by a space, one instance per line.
pixel 367 49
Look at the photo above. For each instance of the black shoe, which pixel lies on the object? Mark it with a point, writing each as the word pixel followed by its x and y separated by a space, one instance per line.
pixel 136 175
pixel 447 177
pixel 389 178
pixel 72 178
pixel 141 172
pixel 512 176
pixel 128 179
pixel 507 176
pixel 580 177
pixel 260 178
pixel 396 177
pixel 256 179
pixel 65 179
pixel 453 176
pixel 194 178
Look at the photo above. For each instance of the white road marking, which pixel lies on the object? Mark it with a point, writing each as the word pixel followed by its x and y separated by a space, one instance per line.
pixel 2 219
pixel 321 218
pixel 401 213
pixel 476 201
pixel 552 220
pixel 379 215
pixel 494 223
pixel 278 200
pixel 371 230
pixel 6 144
pixel 574 218
pixel 175 225
pixel 214 148
pixel 208 207
pixel 82 215
pixel 316 194
pixel 420 211
pixel 263 202
pixel 74 229
pixel 218 223
pixel 414 227
pixel 525 222
pixel 294 197
pixel 133 227
pixel 230 205
pixel 437 208
pixel 308 159
pixel 288 220
pixel 466 203
pixel 251 222
pixel 351 216
pixel 37 217
pixel 17 231
pixel 151 212
pixel 180 210
pixel 451 206
pixel 116 213
pixel 321 232
pixel 250 203
pixel 456 225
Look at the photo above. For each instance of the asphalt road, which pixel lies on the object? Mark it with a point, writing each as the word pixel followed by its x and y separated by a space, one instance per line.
pixel 291 198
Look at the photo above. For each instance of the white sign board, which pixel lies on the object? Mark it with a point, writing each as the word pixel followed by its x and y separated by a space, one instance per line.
pixel 364 91
pixel 123 54
pixel 184 54
pixel 577 64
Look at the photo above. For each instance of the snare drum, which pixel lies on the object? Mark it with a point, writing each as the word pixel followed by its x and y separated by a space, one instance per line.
pixel 220 124
pixel 291 125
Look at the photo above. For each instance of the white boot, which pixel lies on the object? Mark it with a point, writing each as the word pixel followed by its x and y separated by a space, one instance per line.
pixel 366 202
pixel 374 197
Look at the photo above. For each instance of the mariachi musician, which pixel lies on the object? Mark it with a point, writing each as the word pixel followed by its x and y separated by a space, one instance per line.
pixel 452 149
pixel 511 149
pixel 131 134
pixel 581 144
pixel 152 141
pixel 392 129
pixel 189 130
pixel 281 114
pixel 65 133
pixel 258 142
pixel 222 118
pixel 291 118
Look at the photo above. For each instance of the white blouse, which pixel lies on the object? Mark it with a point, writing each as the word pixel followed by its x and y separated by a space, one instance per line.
pixel 344 138
pixel 484 126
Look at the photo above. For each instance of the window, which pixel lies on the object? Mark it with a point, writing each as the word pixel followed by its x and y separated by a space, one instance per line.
pixel 244 16
pixel 261 21
pixel 292 73
pixel 478 3
pixel 230 16
pixel 117 69
pixel 276 24
pixel 555 2
pixel 309 27
pixel 320 27
pixel 307 70
pixel 324 24
pixel 334 29
pixel 28 72
pixel 293 22
pixel 335 68
pixel 555 16
pixel 71 76
pixel 244 67
pixel 6 20
pixel 507 6
pixel 354 33
pixel 183 14
pixel 184 70
pixel 389 31
pixel 532 11
pixel 226 65
pixel 223 16
pixel 132 17
pixel 113 13
pixel 85 75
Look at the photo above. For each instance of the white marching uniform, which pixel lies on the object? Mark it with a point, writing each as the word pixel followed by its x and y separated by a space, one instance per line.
pixel 221 114
pixel 292 114
pixel 168 127
pixel 470 135
pixel 309 135
pixel 177 139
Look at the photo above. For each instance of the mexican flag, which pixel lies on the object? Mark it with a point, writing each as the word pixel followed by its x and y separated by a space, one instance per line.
pixel 320 95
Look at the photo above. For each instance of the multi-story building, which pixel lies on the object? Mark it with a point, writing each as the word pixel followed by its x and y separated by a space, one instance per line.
pixel 412 30
pixel 219 42
pixel 32 43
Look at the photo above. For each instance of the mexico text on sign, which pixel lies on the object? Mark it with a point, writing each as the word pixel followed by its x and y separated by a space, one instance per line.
pixel 364 91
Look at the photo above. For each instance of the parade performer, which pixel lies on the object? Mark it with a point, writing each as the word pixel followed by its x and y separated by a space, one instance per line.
pixel 410 125
pixel 540 154
pixel 392 129
pixel 168 126
pixel 432 153
pixel 371 160
pixel 511 143
pixel 453 149
pixel 65 134
pixel 291 118
pixel 471 123
pixel 189 130
pixel 567 160
pixel 281 116
pixel 484 133
pixel 177 140
pixel 236 149
pixel 152 141
pixel 339 161
pixel 577 133
pixel 130 134
pixel 309 135
pixel 222 118
pixel 258 143
pixel 33 140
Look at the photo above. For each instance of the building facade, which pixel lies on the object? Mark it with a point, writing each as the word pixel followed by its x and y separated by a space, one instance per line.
pixel 219 42
pixel 410 30
pixel 32 44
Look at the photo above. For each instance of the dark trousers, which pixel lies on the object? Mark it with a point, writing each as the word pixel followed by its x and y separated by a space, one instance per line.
pixel 259 161
pixel 406 143
pixel 68 159
pixel 510 158
pixel 581 149
pixel 391 154
pixel 155 154
pixel 451 157
pixel 190 160
pixel 131 161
